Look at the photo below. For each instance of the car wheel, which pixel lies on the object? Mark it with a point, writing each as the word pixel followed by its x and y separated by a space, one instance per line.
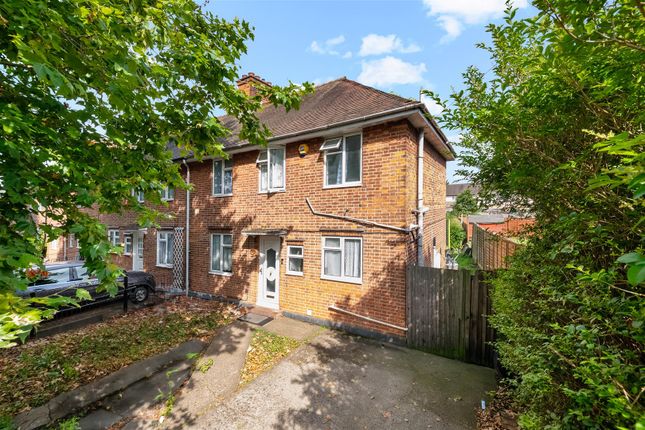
pixel 139 295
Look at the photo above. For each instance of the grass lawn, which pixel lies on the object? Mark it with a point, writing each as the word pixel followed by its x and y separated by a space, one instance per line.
pixel 265 351
pixel 34 373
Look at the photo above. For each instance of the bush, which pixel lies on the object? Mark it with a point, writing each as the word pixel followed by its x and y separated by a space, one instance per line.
pixel 457 233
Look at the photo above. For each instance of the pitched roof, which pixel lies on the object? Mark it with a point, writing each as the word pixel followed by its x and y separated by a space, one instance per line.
pixel 333 103
pixel 456 189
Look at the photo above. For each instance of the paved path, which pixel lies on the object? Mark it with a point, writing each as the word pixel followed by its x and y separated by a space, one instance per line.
pixel 341 382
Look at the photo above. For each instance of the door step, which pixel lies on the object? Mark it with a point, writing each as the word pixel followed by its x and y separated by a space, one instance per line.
pixel 255 319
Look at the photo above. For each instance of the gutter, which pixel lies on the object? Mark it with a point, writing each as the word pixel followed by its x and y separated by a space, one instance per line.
pixel 187 263
pixel 361 221
pixel 392 114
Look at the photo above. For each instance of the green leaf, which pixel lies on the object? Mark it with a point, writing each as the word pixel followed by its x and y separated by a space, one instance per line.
pixel 636 274
pixel 83 294
pixel 632 257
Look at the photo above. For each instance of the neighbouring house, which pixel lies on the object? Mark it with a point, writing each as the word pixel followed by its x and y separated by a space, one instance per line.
pixel 502 224
pixel 453 190
pixel 321 224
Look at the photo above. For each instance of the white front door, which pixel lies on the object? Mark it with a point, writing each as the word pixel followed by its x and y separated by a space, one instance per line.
pixel 137 250
pixel 269 273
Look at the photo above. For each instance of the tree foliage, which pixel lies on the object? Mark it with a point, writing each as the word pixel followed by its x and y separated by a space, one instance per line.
pixel 457 233
pixel 465 204
pixel 90 93
pixel 557 127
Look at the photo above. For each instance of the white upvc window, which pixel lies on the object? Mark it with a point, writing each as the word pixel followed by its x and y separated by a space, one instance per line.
pixel 343 161
pixel 127 244
pixel 271 166
pixel 139 195
pixel 221 254
pixel 168 194
pixel 72 243
pixel 295 260
pixel 342 259
pixel 222 177
pixel 164 248
pixel 113 237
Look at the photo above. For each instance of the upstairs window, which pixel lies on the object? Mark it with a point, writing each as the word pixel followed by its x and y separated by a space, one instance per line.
pixel 72 241
pixel 342 161
pixel 223 177
pixel 113 237
pixel 168 194
pixel 271 164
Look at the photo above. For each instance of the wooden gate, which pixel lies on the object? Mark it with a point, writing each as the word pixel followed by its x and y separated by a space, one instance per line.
pixel 447 314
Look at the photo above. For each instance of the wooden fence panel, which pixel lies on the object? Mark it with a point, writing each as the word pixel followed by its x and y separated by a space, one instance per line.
pixel 447 313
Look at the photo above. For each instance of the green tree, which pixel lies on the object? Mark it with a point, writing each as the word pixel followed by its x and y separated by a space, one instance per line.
pixel 557 127
pixel 457 233
pixel 90 93
pixel 465 204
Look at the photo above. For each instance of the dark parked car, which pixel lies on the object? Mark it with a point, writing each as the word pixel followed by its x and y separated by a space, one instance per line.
pixel 64 278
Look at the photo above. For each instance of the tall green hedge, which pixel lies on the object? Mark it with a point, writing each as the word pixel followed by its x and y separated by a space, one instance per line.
pixel 556 128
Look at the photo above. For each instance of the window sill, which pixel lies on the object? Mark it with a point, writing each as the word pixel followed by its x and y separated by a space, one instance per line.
pixel 301 274
pixel 211 272
pixel 284 190
pixel 340 279
pixel 127 254
pixel 221 195
pixel 352 185
pixel 167 200
pixel 164 266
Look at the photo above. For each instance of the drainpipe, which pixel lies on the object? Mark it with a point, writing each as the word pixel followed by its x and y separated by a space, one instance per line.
pixel 360 221
pixel 187 263
pixel 420 209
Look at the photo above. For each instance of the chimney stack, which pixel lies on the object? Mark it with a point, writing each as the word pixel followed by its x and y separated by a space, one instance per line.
pixel 248 84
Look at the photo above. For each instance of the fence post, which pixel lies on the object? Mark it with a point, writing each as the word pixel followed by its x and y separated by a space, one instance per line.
pixel 125 293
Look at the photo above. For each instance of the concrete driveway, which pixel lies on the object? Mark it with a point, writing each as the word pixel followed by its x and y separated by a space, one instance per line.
pixel 342 382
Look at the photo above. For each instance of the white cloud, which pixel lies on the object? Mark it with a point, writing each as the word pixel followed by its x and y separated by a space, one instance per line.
pixel 328 46
pixel 375 44
pixel 453 15
pixel 390 71
pixel 433 107
pixel 347 54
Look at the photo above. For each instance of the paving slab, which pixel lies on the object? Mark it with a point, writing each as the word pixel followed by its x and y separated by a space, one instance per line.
pixel 342 382
pixel 299 330
pixel 221 364
pixel 99 420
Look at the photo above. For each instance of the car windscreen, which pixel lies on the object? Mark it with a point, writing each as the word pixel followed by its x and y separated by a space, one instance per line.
pixel 54 276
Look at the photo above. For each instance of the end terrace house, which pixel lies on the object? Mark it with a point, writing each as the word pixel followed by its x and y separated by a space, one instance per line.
pixel 320 224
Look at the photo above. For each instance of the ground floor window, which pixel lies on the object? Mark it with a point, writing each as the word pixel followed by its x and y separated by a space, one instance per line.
pixel 342 259
pixel 295 256
pixel 127 244
pixel 164 248
pixel 221 253
pixel 113 237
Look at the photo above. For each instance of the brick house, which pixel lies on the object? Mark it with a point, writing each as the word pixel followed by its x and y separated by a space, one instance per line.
pixel 321 224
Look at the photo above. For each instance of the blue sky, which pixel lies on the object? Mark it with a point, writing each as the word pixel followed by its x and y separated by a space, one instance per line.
pixel 399 46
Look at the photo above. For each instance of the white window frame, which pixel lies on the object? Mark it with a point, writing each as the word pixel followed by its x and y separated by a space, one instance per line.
pixel 72 242
pixel 127 240
pixel 114 236
pixel 168 194
pixel 221 254
pixel 139 195
pixel 267 161
pixel 335 146
pixel 169 244
pixel 296 256
pixel 342 277
pixel 223 173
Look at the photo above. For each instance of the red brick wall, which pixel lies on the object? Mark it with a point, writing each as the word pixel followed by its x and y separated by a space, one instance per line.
pixel 387 195
pixel 434 198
